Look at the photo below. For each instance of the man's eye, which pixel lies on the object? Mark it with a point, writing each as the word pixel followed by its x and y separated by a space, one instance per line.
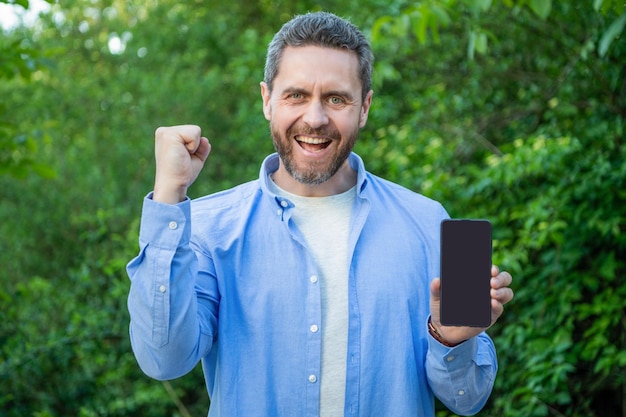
pixel 336 100
pixel 296 96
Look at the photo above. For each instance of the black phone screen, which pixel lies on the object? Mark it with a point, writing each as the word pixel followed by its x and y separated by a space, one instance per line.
pixel 465 272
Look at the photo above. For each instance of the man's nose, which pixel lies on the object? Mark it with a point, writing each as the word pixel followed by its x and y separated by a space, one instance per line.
pixel 315 114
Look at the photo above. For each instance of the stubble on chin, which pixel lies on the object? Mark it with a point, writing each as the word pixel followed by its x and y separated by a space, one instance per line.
pixel 313 173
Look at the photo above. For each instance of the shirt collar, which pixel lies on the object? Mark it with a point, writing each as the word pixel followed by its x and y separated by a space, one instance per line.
pixel 271 163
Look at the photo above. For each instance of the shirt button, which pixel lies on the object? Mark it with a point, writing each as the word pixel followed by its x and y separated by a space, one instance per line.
pixel 461 392
pixel 314 328
pixel 312 378
pixel 450 358
pixel 313 279
pixel 284 203
pixel 162 288
pixel 279 212
pixel 173 225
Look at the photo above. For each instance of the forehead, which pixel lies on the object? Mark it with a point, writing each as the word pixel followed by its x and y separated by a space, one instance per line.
pixel 318 66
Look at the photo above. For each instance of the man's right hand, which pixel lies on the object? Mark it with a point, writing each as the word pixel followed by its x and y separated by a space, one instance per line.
pixel 180 153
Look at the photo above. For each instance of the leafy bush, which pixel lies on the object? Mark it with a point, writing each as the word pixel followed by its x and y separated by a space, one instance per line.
pixel 560 229
pixel 526 131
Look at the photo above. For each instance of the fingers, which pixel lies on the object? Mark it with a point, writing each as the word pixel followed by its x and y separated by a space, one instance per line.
pixel 502 279
pixel 180 153
pixel 502 295
pixel 500 291
pixel 183 133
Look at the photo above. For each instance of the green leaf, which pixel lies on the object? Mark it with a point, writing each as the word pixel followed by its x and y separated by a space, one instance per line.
pixel 477 43
pixel 481 43
pixel 471 45
pixel 597 4
pixel 420 24
pixel 608 268
pixel 44 171
pixel 482 5
pixel 23 3
pixel 378 25
pixel 541 8
pixel 441 16
pixel 611 34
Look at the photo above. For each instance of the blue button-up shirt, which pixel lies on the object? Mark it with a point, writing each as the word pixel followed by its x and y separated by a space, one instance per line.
pixel 227 279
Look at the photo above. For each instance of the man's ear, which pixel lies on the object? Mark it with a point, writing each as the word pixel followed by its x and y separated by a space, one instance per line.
pixel 265 95
pixel 365 108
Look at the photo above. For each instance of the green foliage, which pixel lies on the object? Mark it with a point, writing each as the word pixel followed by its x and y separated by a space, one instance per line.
pixel 527 133
pixel 530 136
pixel 424 17
pixel 565 224
pixel 20 59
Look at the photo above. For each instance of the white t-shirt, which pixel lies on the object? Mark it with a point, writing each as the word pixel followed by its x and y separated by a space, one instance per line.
pixel 325 223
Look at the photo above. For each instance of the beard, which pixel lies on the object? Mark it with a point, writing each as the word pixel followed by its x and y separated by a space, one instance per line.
pixel 312 172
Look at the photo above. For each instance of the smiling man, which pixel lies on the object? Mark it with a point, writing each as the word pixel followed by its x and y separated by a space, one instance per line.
pixel 313 290
pixel 315 113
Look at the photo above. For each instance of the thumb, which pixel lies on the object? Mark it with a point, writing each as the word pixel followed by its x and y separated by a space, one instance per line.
pixel 435 300
pixel 203 150
pixel 199 156
pixel 435 289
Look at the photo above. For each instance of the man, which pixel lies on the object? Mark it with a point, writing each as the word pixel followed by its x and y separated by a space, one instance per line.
pixel 310 291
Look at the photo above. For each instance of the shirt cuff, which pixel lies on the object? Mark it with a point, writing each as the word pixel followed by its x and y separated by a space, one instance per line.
pixel 459 354
pixel 165 225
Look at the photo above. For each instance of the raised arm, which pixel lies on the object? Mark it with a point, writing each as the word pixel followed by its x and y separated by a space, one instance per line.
pixel 168 334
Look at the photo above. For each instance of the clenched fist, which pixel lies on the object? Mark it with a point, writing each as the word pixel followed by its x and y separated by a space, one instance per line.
pixel 180 153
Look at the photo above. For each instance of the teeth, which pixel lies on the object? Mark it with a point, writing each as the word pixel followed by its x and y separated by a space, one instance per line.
pixel 312 141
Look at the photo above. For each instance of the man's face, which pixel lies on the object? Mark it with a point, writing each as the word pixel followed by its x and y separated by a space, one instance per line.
pixel 315 111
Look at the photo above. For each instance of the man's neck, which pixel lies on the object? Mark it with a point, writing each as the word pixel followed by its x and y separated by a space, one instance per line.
pixel 344 179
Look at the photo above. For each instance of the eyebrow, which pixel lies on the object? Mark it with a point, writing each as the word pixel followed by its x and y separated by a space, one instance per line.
pixel 292 90
pixel 340 93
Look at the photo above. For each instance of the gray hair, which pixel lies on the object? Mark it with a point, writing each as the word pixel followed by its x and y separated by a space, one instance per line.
pixel 325 30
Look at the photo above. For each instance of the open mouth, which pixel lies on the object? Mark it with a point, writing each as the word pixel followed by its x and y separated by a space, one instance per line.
pixel 313 144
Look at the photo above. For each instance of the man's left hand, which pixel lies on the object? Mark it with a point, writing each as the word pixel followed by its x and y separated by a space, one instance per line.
pixel 500 295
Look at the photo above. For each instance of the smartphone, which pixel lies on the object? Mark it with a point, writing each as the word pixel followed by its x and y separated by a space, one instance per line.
pixel 465 272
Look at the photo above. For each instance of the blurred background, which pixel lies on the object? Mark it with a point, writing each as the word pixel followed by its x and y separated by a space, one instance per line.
pixel 510 110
